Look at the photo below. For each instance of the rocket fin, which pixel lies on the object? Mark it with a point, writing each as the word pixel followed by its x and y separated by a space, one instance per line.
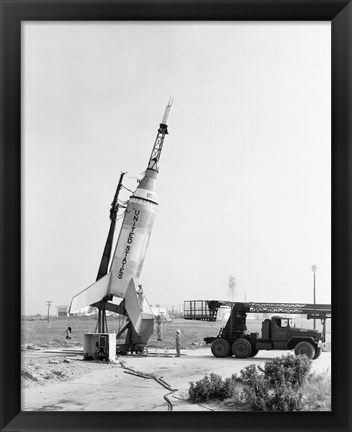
pixel 138 311
pixel 90 295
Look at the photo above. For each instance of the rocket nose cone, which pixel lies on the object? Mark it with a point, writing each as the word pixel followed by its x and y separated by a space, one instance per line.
pixel 167 112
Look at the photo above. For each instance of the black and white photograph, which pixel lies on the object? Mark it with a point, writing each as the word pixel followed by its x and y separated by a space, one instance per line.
pixel 176 216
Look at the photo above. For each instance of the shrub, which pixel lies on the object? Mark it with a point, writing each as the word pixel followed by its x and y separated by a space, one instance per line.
pixel 276 385
pixel 212 387
pixel 262 396
pixel 287 369
pixel 250 375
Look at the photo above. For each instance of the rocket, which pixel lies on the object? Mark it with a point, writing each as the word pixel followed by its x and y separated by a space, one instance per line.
pixel 123 278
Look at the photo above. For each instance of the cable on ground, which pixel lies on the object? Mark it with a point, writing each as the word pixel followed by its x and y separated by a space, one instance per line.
pixel 159 380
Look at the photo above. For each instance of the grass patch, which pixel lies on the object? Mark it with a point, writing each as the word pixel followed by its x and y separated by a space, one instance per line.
pixel 40 332
pixel 317 392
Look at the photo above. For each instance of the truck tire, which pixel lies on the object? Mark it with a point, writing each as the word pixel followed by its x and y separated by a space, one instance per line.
pixel 220 348
pixel 305 348
pixel 254 351
pixel 317 353
pixel 241 348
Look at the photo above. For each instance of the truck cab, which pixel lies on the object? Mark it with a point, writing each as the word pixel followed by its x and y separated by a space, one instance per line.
pixel 279 333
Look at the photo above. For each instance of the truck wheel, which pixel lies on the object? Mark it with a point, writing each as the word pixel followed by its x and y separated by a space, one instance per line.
pixel 220 348
pixel 254 351
pixel 305 348
pixel 241 348
pixel 317 353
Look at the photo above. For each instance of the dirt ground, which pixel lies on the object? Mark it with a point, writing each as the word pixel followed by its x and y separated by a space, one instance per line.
pixel 59 380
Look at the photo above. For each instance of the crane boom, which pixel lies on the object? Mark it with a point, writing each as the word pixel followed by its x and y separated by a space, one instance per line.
pixel 206 310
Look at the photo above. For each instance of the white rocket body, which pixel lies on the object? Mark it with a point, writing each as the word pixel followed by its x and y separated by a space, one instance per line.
pixel 134 236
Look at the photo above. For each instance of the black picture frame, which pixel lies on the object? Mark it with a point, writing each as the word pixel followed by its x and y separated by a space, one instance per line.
pixel 13 12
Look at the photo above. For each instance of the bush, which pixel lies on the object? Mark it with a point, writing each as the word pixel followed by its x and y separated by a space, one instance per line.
pixel 249 375
pixel 212 387
pixel 276 385
pixel 261 396
pixel 287 369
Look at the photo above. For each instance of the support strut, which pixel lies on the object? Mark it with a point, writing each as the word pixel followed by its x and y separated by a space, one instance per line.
pixel 102 326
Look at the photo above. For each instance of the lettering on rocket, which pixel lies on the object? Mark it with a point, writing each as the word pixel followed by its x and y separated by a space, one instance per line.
pixel 129 241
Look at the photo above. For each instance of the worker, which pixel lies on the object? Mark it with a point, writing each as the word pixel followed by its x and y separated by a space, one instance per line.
pixel 140 297
pixel 158 328
pixel 178 348
pixel 68 333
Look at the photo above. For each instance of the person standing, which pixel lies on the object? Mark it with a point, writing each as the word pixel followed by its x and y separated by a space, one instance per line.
pixel 140 297
pixel 178 347
pixel 159 320
pixel 158 328
pixel 68 333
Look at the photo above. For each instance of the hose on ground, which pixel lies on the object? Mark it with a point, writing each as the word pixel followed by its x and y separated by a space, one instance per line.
pixel 159 380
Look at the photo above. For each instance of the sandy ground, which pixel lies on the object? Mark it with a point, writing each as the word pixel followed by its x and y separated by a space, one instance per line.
pixel 62 381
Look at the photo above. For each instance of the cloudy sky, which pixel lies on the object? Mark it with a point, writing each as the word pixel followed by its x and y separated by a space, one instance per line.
pixel 244 181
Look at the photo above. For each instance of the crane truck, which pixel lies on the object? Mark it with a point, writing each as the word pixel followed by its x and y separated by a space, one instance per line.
pixel 277 333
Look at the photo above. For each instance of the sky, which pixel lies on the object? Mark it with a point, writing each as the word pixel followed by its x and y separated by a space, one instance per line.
pixel 245 172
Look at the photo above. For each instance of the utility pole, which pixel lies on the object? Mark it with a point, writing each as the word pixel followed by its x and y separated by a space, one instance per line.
pixel 48 303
